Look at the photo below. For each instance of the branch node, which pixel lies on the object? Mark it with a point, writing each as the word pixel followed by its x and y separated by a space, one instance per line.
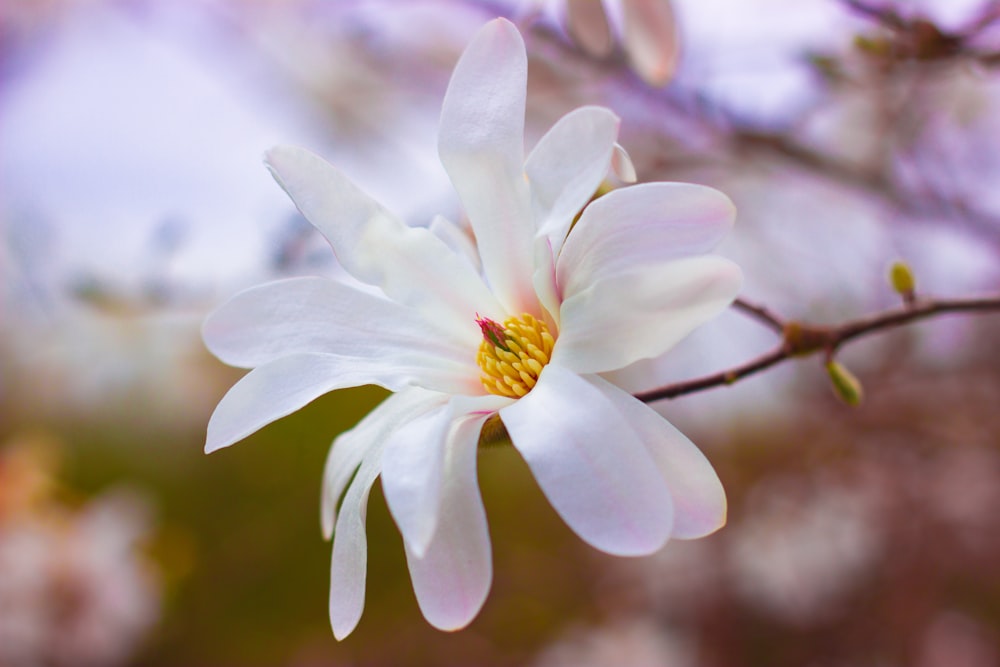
pixel 803 339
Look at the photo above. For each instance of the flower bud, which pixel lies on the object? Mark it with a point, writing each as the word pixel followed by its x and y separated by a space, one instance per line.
pixel 902 280
pixel 845 384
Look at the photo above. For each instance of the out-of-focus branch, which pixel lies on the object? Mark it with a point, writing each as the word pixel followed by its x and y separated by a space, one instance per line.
pixel 875 182
pixel 800 339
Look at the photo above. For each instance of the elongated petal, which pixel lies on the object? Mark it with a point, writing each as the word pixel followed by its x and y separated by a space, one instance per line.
pixel 642 313
pixel 699 499
pixel 349 563
pixel 281 387
pixel 323 316
pixel 590 463
pixel 452 578
pixel 481 144
pixel 651 39
pixel 641 225
pixel 351 446
pixel 588 25
pixel 544 279
pixel 414 466
pixel 411 265
pixel 567 166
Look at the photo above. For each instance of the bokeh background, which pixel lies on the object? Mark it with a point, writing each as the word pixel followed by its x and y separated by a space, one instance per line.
pixel 133 200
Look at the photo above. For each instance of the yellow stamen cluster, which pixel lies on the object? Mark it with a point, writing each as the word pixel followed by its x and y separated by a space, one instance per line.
pixel 513 360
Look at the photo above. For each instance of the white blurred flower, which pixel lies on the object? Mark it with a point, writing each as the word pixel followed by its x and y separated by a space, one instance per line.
pixel 803 550
pixel 632 643
pixel 522 325
pixel 75 590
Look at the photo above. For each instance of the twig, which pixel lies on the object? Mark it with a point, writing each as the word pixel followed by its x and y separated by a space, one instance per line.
pixel 761 314
pixel 800 339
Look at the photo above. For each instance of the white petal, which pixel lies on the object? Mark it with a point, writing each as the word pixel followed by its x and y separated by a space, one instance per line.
pixel 452 578
pixel 699 499
pixel 651 39
pixel 567 166
pixel 319 315
pixel 544 279
pixel 481 143
pixel 281 387
pixel 351 446
pixel 642 313
pixel 410 264
pixel 414 466
pixel 457 237
pixel 349 563
pixel 590 463
pixel 640 225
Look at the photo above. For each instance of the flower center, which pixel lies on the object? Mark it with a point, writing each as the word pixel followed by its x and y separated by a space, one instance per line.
pixel 512 356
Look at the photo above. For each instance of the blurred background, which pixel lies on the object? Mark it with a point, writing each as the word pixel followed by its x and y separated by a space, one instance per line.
pixel 133 201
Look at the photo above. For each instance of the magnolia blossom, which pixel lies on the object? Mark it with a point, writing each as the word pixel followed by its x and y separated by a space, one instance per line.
pixel 523 324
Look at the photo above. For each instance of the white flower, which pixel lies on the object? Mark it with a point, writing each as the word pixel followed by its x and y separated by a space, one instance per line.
pixel 629 282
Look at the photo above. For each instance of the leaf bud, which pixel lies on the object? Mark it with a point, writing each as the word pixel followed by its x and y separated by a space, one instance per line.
pixel 845 384
pixel 902 280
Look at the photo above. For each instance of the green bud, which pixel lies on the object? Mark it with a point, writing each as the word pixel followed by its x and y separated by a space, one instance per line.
pixel 845 385
pixel 902 280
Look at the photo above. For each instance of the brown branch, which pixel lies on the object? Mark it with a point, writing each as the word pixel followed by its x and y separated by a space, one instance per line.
pixel 761 314
pixel 800 339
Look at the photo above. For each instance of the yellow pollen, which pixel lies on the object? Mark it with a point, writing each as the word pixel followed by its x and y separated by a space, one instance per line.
pixel 512 367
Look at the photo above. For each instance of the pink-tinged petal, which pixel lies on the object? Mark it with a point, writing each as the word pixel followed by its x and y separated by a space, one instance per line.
pixel 699 499
pixel 452 578
pixel 481 143
pixel 409 264
pixel 642 225
pixel 621 165
pixel 322 316
pixel 590 463
pixel 277 389
pixel 651 39
pixel 351 446
pixel 567 166
pixel 349 563
pixel 415 462
pixel 588 26
pixel 642 313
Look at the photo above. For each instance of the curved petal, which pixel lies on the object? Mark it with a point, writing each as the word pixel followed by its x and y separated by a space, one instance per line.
pixel 410 264
pixel 588 26
pixel 641 225
pixel 349 563
pixel 452 578
pixel 621 165
pixel 481 144
pixel 322 316
pixel 567 166
pixel 457 237
pixel 415 462
pixel 351 446
pixel 590 463
pixel 642 313
pixel 281 387
pixel 699 499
